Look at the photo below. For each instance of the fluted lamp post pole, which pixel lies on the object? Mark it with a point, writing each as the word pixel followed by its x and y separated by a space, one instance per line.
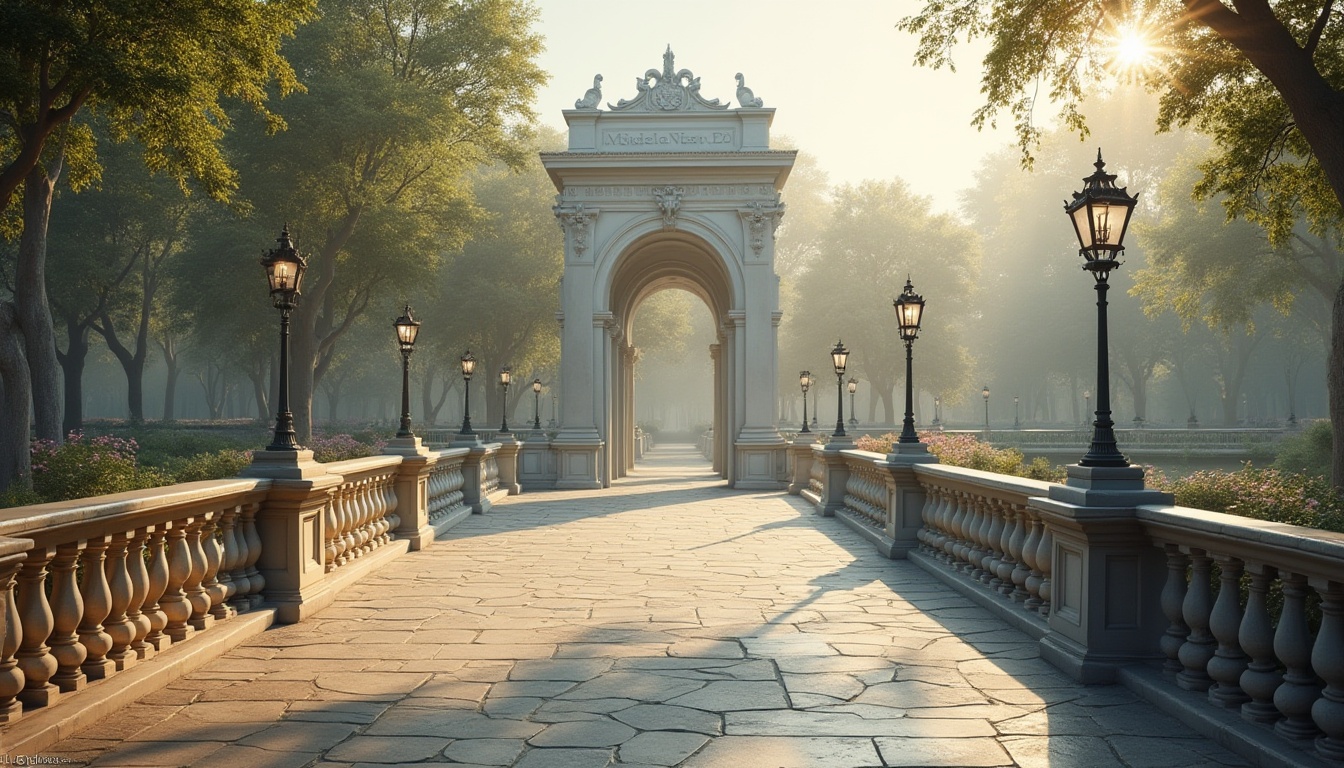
pixel 1017 422
pixel 1100 216
pixel 839 358
pixel 909 314
pixel 805 382
pixel 536 405
pixel 407 328
pixel 284 271
pixel 984 392
pixel 468 368
pixel 852 386
pixel 938 412
pixel 505 379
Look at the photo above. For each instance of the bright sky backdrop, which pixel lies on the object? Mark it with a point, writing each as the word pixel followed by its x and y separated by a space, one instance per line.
pixel 838 72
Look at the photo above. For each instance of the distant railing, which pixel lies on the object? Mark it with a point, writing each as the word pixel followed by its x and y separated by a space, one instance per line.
pixel 1249 611
pixel 1197 439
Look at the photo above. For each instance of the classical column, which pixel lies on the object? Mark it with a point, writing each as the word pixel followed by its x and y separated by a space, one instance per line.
pixel 716 424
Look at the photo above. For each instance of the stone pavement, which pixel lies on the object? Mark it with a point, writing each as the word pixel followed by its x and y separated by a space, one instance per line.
pixel 664 622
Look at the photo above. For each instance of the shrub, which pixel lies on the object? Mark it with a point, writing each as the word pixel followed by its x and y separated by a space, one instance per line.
pixel 89 467
pixel 328 448
pixel 208 466
pixel 963 450
pixel 1263 494
pixel 1307 452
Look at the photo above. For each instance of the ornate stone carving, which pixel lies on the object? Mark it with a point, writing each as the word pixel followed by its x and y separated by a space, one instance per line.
pixel 593 96
pixel 669 202
pixel 745 98
pixel 670 90
pixel 574 219
pixel 759 216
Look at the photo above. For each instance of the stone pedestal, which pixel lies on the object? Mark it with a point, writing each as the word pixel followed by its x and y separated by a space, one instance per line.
pixel 1106 576
pixel 413 490
pixel 836 477
pixel 800 464
pixel 761 460
pixel 507 459
pixel 292 528
pixel 905 517
pixel 576 462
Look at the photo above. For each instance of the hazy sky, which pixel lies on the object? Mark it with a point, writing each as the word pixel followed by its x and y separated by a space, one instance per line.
pixel 838 72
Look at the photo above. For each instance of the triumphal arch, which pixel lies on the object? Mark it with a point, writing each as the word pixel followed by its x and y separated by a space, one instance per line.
pixel 668 189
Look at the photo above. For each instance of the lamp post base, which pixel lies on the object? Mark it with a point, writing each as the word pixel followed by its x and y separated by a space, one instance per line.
pixel 283 465
pixel 1106 487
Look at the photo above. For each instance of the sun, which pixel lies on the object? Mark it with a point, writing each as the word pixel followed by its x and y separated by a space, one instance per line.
pixel 1133 51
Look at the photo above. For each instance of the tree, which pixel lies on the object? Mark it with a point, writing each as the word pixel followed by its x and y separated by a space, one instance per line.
pixel 1263 79
pixel 403 99
pixel 156 71
pixel 878 234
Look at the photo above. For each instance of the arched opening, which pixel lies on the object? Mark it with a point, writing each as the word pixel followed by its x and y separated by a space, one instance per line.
pixel 650 265
pixel 673 334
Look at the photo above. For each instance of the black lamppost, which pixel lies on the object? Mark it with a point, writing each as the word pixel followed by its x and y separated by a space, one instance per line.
pixel 805 382
pixel 1017 423
pixel 536 404
pixel 816 409
pixel 284 271
pixel 505 379
pixel 984 392
pixel 468 368
pixel 1087 402
pixel 839 357
pixel 852 386
pixel 1100 215
pixel 407 329
pixel 909 312
pixel 938 412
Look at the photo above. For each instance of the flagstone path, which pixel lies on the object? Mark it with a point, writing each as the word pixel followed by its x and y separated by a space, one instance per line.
pixel 664 622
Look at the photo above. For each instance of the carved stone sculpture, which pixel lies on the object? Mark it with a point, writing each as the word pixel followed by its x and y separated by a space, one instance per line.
pixel 669 90
pixel 592 97
pixel 669 202
pixel 745 98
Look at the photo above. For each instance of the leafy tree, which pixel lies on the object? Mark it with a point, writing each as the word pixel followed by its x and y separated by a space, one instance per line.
pixel 156 71
pixel 1265 80
pixel 403 98
pixel 878 234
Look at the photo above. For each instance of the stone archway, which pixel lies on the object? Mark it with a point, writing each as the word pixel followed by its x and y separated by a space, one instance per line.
pixel 668 189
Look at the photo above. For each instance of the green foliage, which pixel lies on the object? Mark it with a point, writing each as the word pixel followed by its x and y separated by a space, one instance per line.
pixel 328 448
pixel 964 450
pixel 92 466
pixel 1307 452
pixel 215 465
pixel 1263 494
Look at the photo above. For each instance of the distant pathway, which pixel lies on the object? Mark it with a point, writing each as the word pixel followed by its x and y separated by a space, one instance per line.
pixel 664 622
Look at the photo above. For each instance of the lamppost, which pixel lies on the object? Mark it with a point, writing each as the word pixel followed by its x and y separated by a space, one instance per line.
pixel 815 408
pixel 852 386
pixel 555 400
pixel 536 405
pixel 839 357
pixel 938 412
pixel 1087 402
pixel 407 328
pixel 1017 423
pixel 805 381
pixel 909 311
pixel 1100 215
pixel 468 368
pixel 505 379
pixel 984 392
pixel 284 272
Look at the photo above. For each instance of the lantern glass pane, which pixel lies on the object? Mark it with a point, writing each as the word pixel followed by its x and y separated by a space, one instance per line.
pixel 505 376
pixel 536 385
pixel 1082 224
pixel 468 366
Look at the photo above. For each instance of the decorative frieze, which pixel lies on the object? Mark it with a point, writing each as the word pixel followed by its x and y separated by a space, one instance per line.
pixel 574 193
pixel 575 220
pixel 759 217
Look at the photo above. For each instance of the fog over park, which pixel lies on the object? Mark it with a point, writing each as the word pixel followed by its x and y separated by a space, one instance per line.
pixel 160 310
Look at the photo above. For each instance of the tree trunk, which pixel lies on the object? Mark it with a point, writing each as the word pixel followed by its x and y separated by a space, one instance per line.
pixel 15 402
pixel 72 366
pixel 888 407
pixel 258 377
pixel 1335 382
pixel 303 352
pixel 169 348
pixel 30 298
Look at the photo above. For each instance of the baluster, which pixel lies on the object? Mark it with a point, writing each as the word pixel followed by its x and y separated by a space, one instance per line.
pixel 1045 553
pixel 11 677
pixel 197 598
pixel 351 522
pixel 1003 569
pixel 156 639
pixel 1328 660
pixel 975 549
pixel 118 624
pixel 214 557
pixel 242 585
pixel 1256 636
pixel 345 514
pixel 1199 646
pixel 389 521
pixel 943 529
pixel 135 611
pixel 228 560
pixel 97 605
pixel 925 515
pixel 34 655
pixel 956 547
pixel 1017 545
pixel 257 582
pixel 364 529
pixel 331 544
pixel 67 609
pixel 174 601
pixel 1173 600
pixel 994 543
pixel 1029 549
pixel 1228 661
pixel 1292 644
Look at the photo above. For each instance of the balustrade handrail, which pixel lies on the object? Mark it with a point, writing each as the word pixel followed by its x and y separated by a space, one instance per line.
pixel 58 518
pixel 1309 551
pixel 1021 488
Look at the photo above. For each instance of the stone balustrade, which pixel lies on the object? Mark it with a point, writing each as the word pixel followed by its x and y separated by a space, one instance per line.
pixel 1248 613
pixel 93 587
